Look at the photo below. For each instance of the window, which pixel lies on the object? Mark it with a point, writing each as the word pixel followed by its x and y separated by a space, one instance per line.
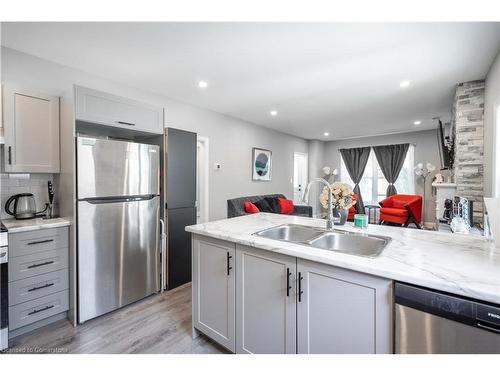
pixel 373 185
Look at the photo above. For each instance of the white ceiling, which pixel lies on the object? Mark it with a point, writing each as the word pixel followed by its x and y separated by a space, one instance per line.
pixel 337 77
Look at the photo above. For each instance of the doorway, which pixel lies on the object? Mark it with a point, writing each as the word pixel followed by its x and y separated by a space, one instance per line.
pixel 201 180
pixel 300 165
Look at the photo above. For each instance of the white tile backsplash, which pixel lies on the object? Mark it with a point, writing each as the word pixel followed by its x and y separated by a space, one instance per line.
pixel 36 184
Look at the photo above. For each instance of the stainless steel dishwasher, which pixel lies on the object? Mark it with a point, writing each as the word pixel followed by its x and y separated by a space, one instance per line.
pixel 429 321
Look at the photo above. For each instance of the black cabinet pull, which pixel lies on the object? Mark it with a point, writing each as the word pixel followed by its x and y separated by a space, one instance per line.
pixel 229 268
pixel 10 154
pixel 40 310
pixel 39 242
pixel 40 287
pixel 288 287
pixel 300 287
pixel 126 123
pixel 41 264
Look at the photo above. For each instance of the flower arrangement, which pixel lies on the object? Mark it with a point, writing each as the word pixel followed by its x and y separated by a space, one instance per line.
pixel 342 196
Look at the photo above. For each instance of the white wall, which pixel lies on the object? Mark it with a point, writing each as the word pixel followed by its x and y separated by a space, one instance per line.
pixel 492 131
pixel 426 150
pixel 316 163
pixel 231 140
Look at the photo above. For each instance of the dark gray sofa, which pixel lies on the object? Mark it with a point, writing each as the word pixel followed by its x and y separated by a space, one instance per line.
pixel 235 206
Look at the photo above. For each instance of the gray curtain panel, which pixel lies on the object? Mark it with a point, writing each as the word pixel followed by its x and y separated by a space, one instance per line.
pixel 391 159
pixel 355 160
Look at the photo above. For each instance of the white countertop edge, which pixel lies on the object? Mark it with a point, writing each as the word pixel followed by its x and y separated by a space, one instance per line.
pixel 403 273
pixel 17 226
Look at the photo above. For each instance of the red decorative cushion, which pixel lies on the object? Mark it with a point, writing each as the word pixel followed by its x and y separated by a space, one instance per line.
pixel 394 212
pixel 251 208
pixel 286 206
pixel 396 203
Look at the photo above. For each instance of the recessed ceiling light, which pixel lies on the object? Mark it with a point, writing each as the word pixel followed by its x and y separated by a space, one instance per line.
pixel 418 122
pixel 326 134
pixel 404 84
pixel 273 112
pixel 202 84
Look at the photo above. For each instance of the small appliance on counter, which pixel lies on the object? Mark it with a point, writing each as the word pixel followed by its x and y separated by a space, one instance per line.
pixel 50 206
pixel 24 206
pixel 4 289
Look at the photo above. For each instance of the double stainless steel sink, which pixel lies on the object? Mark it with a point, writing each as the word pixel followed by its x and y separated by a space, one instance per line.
pixel 341 241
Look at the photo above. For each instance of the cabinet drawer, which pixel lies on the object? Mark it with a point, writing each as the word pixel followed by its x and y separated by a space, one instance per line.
pixel 35 241
pixel 102 108
pixel 37 309
pixel 25 290
pixel 37 264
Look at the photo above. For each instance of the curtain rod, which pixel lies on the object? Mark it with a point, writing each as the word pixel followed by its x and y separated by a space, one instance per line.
pixel 371 146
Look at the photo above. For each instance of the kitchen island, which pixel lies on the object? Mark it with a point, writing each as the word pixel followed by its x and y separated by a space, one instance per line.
pixel 275 296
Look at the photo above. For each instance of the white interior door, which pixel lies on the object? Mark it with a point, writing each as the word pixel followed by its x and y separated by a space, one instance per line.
pixel 299 175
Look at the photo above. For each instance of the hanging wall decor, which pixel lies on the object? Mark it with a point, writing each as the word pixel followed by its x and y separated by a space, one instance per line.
pixel 261 164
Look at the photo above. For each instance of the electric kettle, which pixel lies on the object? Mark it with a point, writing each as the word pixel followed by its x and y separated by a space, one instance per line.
pixel 24 206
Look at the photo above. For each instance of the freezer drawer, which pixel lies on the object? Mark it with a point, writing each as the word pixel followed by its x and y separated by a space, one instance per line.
pixel 118 254
pixel 109 168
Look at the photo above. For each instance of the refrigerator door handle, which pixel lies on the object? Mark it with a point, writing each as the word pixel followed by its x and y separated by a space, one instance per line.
pixel 132 198
pixel 163 253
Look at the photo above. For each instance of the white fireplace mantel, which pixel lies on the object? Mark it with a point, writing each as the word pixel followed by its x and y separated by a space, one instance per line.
pixel 444 190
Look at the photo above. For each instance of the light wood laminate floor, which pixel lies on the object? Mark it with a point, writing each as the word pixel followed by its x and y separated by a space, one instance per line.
pixel 157 324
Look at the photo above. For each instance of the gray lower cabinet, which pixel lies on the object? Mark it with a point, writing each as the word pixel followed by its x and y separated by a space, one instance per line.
pixel 342 312
pixel 256 301
pixel 265 314
pixel 214 289
pixel 38 278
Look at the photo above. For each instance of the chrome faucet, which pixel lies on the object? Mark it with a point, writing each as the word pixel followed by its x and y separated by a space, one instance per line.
pixel 330 219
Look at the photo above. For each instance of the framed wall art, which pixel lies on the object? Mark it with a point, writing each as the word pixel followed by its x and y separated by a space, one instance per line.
pixel 261 164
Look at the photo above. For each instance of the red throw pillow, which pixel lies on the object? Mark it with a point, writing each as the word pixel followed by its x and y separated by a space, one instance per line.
pixel 251 208
pixel 286 206
pixel 396 203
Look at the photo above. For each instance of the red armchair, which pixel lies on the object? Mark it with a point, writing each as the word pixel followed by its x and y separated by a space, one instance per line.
pixel 352 210
pixel 401 209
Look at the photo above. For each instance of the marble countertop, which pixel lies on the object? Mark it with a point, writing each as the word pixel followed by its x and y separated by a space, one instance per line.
pixel 16 226
pixel 454 263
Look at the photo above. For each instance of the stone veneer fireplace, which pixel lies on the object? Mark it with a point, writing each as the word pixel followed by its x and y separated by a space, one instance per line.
pixel 467 123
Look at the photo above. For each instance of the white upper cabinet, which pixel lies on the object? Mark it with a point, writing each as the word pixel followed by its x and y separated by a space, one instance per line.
pixel 101 108
pixel 31 130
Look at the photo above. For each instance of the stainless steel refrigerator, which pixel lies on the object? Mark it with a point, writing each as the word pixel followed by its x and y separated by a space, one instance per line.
pixel 118 224
pixel 180 204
